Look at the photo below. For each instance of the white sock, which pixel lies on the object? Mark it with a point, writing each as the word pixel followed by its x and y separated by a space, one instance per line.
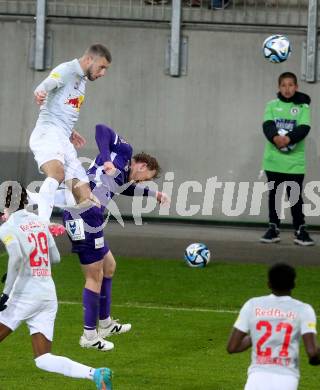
pixel 63 197
pixel 90 334
pixel 46 198
pixel 33 198
pixel 64 366
pixel 105 323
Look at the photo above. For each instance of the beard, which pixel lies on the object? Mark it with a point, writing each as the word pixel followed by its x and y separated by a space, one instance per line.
pixel 90 74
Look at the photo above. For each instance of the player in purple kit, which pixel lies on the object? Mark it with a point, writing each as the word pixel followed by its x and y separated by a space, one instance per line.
pixel 114 170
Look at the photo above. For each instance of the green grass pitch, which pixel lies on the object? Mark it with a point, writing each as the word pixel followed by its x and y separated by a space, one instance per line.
pixel 181 318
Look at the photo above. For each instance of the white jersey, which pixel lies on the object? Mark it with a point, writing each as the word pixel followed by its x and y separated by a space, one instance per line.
pixel 63 103
pixel 275 324
pixel 33 281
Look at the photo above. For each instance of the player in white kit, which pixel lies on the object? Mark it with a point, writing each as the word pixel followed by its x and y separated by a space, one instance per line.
pixel 29 294
pixel 53 140
pixel 273 325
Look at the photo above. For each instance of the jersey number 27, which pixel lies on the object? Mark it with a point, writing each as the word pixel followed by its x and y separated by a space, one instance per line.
pixel 287 327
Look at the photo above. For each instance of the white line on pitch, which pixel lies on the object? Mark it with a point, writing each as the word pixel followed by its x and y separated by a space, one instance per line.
pixel 193 309
pixel 172 308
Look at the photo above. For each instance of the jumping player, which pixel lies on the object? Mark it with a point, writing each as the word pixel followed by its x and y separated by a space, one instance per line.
pixel 273 325
pixel 85 229
pixel 29 294
pixel 53 140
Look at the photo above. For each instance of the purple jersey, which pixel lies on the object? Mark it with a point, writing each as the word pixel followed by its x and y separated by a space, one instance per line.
pixel 85 227
pixel 116 149
pixel 111 148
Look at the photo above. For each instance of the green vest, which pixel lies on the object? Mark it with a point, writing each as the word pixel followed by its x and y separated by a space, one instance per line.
pixel 286 116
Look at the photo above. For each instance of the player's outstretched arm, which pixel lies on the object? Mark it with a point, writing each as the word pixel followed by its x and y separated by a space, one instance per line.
pixel 138 190
pixel 163 198
pixel 41 92
pixel 312 348
pixel 14 262
pixel 105 137
pixel 239 341
pixel 54 254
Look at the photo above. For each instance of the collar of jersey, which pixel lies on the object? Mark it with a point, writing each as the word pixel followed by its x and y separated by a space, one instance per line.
pixel 22 211
pixel 281 297
pixel 78 66
pixel 18 212
pixel 297 98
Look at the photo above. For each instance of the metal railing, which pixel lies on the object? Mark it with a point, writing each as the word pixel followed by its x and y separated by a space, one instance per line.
pixel 254 12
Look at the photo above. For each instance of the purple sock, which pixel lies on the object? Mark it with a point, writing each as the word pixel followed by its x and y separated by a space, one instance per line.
pixel 90 300
pixel 105 298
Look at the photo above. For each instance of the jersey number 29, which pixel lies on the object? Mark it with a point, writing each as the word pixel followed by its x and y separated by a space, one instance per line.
pixel 40 252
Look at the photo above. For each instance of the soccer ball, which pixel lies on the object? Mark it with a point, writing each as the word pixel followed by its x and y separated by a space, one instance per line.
pixel 276 48
pixel 289 147
pixel 197 255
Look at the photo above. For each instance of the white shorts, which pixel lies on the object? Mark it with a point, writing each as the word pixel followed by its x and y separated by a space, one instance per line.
pixel 39 316
pixel 271 381
pixel 49 142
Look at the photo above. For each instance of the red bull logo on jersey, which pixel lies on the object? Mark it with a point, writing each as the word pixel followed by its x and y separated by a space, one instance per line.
pixel 274 312
pixel 32 225
pixel 75 102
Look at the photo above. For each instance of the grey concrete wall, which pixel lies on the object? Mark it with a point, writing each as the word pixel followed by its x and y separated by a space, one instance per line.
pixel 202 125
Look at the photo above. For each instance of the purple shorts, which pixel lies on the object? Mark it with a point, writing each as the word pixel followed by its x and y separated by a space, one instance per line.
pixel 85 230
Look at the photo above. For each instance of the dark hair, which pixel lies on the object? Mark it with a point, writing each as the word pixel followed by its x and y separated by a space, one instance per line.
pixel 151 162
pixel 13 196
pixel 287 75
pixel 99 50
pixel 282 277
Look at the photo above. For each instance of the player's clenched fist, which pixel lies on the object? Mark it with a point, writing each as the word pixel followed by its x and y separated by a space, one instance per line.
pixel 77 139
pixel 40 97
pixel 163 198
pixel 109 168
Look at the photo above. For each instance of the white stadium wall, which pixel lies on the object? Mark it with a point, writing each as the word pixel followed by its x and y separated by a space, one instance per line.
pixel 202 125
